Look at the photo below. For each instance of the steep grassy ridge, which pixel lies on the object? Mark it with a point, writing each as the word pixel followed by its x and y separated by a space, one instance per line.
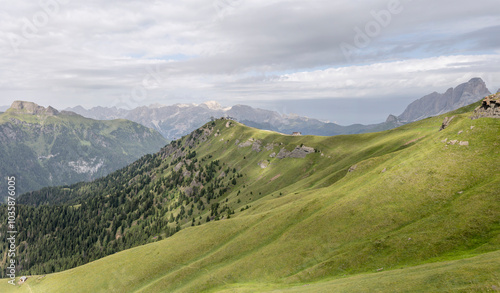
pixel 423 212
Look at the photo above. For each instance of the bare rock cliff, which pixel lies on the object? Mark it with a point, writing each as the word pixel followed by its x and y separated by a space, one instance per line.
pixel 23 107
pixel 454 98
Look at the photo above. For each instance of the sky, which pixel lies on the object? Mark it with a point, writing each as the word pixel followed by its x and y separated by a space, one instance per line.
pixel 347 61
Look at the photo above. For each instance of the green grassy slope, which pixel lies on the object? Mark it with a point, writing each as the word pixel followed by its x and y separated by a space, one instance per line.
pixel 425 211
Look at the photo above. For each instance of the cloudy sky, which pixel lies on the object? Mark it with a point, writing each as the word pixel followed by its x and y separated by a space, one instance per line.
pixel 342 60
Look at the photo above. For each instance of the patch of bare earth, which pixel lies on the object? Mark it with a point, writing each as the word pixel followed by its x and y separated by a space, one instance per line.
pixel 275 177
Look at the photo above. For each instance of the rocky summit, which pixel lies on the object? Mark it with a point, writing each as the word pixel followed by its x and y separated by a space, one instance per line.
pixel 22 107
pixel 437 103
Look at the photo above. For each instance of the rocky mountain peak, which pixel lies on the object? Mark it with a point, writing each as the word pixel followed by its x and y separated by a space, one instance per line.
pixel 23 107
pixel 476 80
pixel 454 98
pixel 475 86
pixel 391 118
pixel 212 105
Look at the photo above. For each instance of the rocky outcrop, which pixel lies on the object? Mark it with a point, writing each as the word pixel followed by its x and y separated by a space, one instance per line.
pixel 23 107
pixel 490 107
pixel 455 142
pixel 270 146
pixel 245 144
pixel 256 144
pixel 299 152
pixel 454 98
pixel 263 164
pixel 446 122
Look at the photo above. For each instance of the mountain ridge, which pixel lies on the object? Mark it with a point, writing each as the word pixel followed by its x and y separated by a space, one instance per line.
pixel 44 146
pixel 174 121
pixel 435 103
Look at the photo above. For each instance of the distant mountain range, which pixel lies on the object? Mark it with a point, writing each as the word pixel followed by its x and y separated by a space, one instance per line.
pixel 435 103
pixel 180 119
pixel 49 147
pixel 45 147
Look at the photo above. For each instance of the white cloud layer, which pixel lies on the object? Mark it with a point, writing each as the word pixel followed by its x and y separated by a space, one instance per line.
pixel 395 78
pixel 130 53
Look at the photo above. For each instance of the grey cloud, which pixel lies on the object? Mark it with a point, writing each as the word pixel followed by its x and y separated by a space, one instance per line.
pixel 102 50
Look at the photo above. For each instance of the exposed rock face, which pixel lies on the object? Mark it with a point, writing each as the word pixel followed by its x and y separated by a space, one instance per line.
pixel 454 98
pixel 392 119
pixel 23 107
pixel 446 122
pixel 256 146
pixel 490 107
pixel 86 167
pixel 270 146
pixel 456 142
pixel 263 164
pixel 391 122
pixel 245 144
pixel 299 152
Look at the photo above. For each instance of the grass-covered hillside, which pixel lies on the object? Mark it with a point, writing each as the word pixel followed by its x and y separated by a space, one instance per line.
pixel 44 147
pixel 412 209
